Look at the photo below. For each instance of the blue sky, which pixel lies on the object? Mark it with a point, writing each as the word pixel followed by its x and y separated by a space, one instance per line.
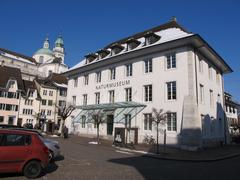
pixel 90 25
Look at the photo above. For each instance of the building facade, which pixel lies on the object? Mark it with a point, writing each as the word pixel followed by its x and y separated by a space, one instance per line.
pixel 161 68
pixel 232 113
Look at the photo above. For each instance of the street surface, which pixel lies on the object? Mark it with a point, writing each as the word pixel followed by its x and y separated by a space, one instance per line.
pixel 92 162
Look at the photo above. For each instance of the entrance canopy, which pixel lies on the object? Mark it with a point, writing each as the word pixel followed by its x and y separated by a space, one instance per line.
pixel 120 107
pixel 111 106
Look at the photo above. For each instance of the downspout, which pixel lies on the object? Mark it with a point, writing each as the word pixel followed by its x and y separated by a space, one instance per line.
pixel 196 77
pixel 20 94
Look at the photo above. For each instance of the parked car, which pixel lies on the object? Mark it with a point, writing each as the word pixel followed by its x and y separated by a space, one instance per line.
pixel 22 151
pixel 53 146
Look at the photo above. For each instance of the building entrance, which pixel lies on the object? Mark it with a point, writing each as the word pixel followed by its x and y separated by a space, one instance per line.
pixel 110 119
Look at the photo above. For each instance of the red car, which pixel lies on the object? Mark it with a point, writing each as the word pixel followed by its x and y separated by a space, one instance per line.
pixel 22 151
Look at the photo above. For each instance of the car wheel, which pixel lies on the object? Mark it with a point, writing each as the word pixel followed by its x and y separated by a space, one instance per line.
pixel 32 169
pixel 51 156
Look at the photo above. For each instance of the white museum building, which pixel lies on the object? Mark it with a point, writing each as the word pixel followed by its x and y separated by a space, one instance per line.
pixel 165 67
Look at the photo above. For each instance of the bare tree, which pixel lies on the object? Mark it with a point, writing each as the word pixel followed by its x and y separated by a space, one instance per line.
pixel 97 117
pixel 64 112
pixel 159 117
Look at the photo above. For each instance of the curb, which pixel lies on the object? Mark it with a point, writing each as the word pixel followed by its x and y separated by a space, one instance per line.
pixel 152 155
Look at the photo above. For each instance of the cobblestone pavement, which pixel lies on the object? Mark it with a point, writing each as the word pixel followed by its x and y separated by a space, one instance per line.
pixel 98 162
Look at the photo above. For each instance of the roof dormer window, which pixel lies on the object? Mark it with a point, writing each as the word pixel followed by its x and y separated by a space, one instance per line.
pixel 116 48
pixel 132 43
pixel 151 38
pixel 102 53
pixel 90 58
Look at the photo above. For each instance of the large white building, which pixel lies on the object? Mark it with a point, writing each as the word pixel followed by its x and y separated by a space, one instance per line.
pixel 165 67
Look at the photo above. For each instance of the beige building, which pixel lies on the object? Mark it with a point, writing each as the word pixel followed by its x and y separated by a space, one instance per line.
pixel 11 87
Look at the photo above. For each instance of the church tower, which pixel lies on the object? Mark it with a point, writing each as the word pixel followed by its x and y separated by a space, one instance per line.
pixel 58 50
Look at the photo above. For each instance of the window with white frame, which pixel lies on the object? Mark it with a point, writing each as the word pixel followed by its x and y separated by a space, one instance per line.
pixel 148 65
pixel 211 97
pixel 209 72
pixel 84 99
pixel 171 61
pixel 172 121
pixel 97 98
pixel 74 100
pixel 50 93
pixel 128 94
pixel 111 96
pixel 83 121
pixel 129 70
pixel 200 66
pixel 148 121
pixel 86 78
pixel 112 73
pixel 30 93
pixel 49 112
pixel 128 118
pixel 171 90
pixel 44 92
pixel 201 93
pixel 98 77
pixel 148 93
pixel 75 81
pixel 50 102
pixel 218 77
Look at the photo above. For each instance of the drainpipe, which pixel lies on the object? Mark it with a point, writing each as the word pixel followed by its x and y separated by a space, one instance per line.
pixel 224 115
pixel 196 77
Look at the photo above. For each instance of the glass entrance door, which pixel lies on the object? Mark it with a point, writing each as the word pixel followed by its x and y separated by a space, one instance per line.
pixel 110 124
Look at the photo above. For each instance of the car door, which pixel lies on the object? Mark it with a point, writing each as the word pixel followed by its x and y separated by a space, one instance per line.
pixel 14 152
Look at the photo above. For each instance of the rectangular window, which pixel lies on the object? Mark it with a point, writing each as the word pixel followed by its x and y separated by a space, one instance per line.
pixel 75 82
pixel 211 97
pixel 201 66
pixel 1 119
pixel 218 77
pixel 44 102
pixel 86 78
pixel 148 65
pixel 111 96
pixel 50 93
pixel 148 121
pixel 43 112
pixel 201 93
pixel 127 120
pixel 83 121
pixel 112 73
pixel 50 102
pixel 210 72
pixel 129 70
pixel 98 77
pixel 128 94
pixel 30 94
pixel 97 98
pixel 61 103
pixel 49 112
pixel 74 100
pixel 84 99
pixel 171 90
pixel 63 92
pixel 172 121
pixel 148 93
pixel 171 61
pixel 44 92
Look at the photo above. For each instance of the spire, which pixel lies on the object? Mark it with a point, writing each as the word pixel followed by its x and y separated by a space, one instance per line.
pixel 59 41
pixel 46 43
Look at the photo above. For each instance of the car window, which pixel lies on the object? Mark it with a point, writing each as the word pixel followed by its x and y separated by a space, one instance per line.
pixel 1 139
pixel 17 140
